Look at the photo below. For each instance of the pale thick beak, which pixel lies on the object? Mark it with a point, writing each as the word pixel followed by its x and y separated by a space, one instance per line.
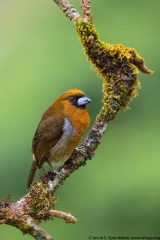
pixel 83 101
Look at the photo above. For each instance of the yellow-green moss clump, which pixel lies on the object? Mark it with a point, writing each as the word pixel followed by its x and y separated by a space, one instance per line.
pixel 40 201
pixel 117 65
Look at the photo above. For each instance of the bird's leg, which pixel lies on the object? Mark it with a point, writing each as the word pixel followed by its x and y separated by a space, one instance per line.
pixel 42 171
pixel 55 171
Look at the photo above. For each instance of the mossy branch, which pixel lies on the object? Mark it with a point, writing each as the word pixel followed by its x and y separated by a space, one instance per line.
pixel 119 67
pixel 27 213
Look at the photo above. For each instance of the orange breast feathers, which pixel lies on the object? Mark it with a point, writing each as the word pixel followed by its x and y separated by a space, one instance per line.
pixel 60 130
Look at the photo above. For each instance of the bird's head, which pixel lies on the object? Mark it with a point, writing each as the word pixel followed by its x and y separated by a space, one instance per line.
pixel 74 97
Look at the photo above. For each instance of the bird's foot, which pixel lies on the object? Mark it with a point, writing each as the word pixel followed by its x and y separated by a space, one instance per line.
pixel 42 171
pixel 57 173
pixel 87 154
pixel 51 175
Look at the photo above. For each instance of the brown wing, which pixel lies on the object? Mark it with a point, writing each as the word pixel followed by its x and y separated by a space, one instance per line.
pixel 48 133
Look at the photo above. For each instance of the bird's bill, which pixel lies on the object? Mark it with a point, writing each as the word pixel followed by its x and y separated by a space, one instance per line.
pixel 83 101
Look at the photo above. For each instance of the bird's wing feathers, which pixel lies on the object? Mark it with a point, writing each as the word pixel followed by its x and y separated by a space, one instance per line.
pixel 48 133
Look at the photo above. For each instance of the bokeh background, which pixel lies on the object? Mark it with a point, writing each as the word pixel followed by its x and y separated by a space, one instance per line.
pixel 118 192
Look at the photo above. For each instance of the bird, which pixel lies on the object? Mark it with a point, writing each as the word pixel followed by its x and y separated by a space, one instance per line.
pixel 59 131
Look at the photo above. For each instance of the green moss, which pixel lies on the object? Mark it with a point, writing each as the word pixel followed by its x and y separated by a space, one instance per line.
pixel 118 66
pixel 40 201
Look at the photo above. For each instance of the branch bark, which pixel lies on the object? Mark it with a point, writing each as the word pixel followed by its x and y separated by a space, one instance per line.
pixel 68 9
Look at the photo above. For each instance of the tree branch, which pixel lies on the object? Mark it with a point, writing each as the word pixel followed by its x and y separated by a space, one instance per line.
pixel 86 8
pixel 68 218
pixel 30 210
pixel 119 67
pixel 68 9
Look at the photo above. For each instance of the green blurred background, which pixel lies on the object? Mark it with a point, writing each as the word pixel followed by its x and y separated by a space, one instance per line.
pixel 118 192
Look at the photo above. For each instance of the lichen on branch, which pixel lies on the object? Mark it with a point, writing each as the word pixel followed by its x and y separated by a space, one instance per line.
pixel 40 201
pixel 118 66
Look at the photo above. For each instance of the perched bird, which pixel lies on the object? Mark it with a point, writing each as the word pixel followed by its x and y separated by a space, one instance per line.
pixel 60 130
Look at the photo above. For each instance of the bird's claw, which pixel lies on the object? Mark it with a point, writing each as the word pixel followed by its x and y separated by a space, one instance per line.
pixel 87 154
pixel 59 174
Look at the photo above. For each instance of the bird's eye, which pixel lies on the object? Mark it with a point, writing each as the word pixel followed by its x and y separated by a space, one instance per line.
pixel 71 99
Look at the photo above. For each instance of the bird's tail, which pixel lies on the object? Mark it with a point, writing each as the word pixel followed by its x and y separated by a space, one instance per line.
pixel 32 173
